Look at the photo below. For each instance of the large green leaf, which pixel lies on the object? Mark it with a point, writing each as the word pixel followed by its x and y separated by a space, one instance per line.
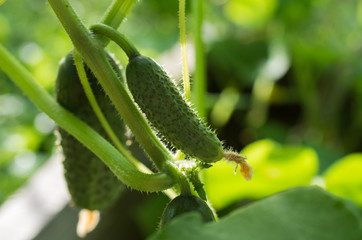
pixel 299 214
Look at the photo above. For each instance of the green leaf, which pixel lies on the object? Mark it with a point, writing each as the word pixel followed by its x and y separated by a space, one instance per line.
pixel 276 168
pixel 300 213
pixel 344 178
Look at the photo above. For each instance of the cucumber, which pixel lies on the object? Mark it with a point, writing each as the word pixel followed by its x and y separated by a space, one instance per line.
pixel 168 112
pixel 185 204
pixel 90 182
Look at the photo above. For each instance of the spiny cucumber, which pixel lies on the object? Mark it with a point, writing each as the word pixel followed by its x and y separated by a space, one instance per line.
pixel 168 112
pixel 90 182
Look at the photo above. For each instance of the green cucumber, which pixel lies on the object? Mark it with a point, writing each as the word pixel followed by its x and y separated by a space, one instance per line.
pixel 185 204
pixel 90 182
pixel 168 112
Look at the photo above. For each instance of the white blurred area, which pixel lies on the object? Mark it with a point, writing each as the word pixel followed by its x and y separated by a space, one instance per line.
pixel 27 211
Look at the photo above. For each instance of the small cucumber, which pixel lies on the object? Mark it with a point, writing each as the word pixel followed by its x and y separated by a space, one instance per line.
pixel 185 204
pixel 90 182
pixel 168 112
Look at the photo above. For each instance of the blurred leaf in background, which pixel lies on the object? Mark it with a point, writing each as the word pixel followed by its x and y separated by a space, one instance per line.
pixel 344 178
pixel 276 168
pixel 250 13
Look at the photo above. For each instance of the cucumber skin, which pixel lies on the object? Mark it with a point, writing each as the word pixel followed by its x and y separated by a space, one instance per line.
pixel 168 112
pixel 185 204
pixel 90 182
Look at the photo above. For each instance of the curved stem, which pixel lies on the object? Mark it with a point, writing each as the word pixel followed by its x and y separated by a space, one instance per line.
pixel 102 119
pixel 117 37
pixel 93 54
pixel 115 14
pixel 119 165
pixel 185 69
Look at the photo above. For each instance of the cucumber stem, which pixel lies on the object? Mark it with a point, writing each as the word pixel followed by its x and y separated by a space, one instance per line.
pixel 119 165
pixel 93 54
pixel 117 37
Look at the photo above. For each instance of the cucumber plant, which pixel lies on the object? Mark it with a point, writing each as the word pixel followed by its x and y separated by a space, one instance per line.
pixel 82 138
pixel 166 110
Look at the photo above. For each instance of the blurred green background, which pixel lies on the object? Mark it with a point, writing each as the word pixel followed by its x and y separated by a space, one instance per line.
pixel 284 86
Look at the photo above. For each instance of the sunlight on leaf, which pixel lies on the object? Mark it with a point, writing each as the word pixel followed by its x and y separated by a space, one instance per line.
pixel 5 27
pixel 344 178
pixel 44 72
pixel 224 107
pixel 250 13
